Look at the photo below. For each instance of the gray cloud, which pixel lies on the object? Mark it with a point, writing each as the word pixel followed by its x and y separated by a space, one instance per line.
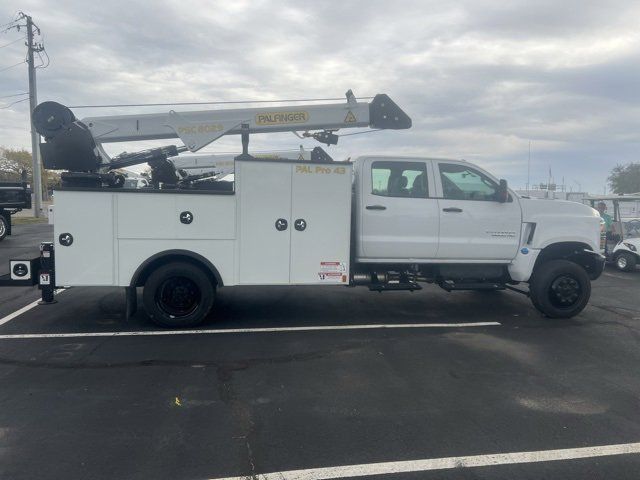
pixel 480 79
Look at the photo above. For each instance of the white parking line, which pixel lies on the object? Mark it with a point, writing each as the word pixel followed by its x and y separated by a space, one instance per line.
pixel 26 308
pixel 247 330
pixel 13 315
pixel 386 468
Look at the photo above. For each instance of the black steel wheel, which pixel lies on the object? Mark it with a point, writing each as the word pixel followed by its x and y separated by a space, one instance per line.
pixel 560 288
pixel 564 291
pixel 178 294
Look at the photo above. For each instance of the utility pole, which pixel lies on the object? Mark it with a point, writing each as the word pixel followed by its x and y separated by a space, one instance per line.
pixel 529 167
pixel 33 101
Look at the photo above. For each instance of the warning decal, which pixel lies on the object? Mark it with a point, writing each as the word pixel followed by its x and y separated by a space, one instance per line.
pixel 333 267
pixel 332 277
pixel 333 272
pixel 350 118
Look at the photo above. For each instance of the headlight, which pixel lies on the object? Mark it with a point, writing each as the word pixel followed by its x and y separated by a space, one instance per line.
pixel 630 246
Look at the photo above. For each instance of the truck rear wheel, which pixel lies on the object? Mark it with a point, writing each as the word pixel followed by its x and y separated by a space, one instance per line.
pixel 4 228
pixel 625 261
pixel 560 288
pixel 178 294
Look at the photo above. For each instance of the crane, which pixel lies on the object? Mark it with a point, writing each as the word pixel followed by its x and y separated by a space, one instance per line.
pixel 77 145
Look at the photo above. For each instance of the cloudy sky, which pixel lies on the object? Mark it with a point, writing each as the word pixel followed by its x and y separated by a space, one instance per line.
pixel 480 79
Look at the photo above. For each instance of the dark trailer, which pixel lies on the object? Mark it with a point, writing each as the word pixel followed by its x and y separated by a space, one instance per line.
pixel 14 196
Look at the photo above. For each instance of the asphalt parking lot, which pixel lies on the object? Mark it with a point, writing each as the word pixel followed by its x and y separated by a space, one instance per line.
pixel 461 375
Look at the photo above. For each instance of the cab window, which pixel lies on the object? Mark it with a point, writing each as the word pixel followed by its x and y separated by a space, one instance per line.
pixel 399 179
pixel 461 182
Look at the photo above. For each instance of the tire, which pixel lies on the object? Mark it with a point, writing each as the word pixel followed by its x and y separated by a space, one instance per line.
pixel 178 294
pixel 4 227
pixel 625 262
pixel 560 288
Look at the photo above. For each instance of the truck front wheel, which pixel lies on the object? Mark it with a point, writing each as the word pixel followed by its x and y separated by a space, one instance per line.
pixel 560 288
pixel 178 294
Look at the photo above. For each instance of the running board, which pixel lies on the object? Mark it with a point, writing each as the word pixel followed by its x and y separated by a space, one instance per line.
pixel 449 286
pixel 383 287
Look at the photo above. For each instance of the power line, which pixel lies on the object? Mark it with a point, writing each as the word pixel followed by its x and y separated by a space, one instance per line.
pixel 13 103
pixel 12 21
pixel 43 64
pixel 40 49
pixel 11 43
pixel 212 103
pixel 11 25
pixel 14 95
pixel 9 28
pixel 11 66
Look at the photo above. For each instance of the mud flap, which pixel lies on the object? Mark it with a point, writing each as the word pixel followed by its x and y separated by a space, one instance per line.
pixel 131 302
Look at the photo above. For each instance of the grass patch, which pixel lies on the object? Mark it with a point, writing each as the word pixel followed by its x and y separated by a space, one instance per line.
pixel 27 220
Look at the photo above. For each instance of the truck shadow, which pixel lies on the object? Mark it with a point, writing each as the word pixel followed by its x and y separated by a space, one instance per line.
pixel 286 306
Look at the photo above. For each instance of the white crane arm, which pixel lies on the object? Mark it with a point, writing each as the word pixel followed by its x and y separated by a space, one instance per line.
pixel 77 145
pixel 198 129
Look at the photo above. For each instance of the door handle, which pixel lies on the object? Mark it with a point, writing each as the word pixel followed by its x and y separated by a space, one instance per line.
pixel 376 207
pixel 452 209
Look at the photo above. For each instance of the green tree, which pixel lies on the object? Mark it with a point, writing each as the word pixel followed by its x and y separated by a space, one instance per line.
pixel 625 178
pixel 14 161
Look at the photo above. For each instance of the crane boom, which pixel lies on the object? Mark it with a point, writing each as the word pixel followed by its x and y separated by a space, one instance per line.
pixel 77 145
pixel 199 128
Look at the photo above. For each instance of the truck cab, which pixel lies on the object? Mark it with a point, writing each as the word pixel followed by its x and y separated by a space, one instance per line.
pixel 433 210
pixel 452 223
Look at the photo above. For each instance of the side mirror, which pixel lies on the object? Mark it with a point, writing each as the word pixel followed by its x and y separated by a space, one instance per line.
pixel 503 191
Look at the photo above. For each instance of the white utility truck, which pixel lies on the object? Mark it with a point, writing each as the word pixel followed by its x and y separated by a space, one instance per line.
pixel 384 222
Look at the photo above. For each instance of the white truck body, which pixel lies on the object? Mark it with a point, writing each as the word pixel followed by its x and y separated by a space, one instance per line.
pixel 117 231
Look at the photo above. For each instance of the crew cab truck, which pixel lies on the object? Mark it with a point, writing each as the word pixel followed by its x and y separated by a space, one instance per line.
pixel 385 223
pixel 400 222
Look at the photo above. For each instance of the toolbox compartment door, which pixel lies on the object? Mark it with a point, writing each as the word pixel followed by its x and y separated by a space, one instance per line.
pixel 320 242
pixel 264 197
pixel 89 259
